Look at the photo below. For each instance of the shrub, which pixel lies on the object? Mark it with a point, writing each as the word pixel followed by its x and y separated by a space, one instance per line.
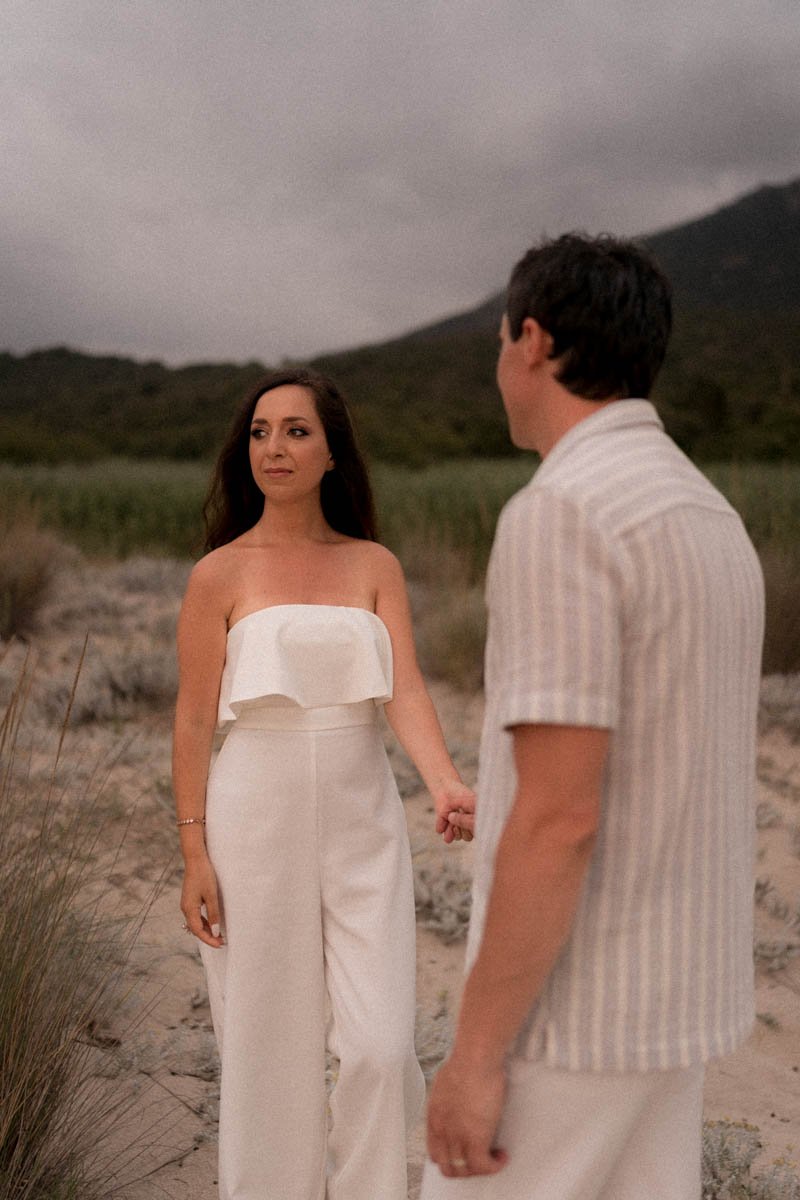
pixel 115 682
pixel 781 566
pixel 449 610
pixel 450 633
pixel 443 899
pixel 29 560
pixel 151 576
pixel 729 1151
pixel 780 704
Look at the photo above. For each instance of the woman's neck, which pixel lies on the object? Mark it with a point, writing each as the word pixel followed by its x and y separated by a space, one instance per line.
pixel 281 524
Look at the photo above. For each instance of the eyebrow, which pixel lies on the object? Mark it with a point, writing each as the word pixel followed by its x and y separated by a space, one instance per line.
pixel 284 421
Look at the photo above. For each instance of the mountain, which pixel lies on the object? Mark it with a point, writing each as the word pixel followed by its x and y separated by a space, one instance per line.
pixel 730 386
pixel 745 256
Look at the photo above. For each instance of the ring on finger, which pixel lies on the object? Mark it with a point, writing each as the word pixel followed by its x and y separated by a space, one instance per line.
pixel 458 1162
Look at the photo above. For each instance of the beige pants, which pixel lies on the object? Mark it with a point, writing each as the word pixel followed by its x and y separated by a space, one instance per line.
pixel 574 1135
pixel 307 835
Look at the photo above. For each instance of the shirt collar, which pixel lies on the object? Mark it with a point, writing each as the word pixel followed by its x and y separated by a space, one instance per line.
pixel 619 414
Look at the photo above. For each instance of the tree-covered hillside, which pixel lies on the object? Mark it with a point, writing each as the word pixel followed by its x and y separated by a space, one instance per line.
pixel 58 404
pixel 730 387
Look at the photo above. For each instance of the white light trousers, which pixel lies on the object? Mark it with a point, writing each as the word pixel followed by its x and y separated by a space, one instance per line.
pixel 583 1135
pixel 307 836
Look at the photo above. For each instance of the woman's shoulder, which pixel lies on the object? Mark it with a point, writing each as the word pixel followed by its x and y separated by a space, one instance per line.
pixel 375 556
pixel 216 563
pixel 214 575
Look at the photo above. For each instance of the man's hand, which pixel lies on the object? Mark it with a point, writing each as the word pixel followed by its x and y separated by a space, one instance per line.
pixel 463 1115
pixel 455 810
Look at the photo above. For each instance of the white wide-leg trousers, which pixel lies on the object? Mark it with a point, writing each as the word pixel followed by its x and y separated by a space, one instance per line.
pixel 581 1135
pixel 307 836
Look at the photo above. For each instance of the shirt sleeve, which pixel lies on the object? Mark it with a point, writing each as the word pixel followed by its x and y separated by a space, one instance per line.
pixel 555 615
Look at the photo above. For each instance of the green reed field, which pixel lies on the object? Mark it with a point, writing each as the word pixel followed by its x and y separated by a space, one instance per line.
pixel 439 520
pixel 121 507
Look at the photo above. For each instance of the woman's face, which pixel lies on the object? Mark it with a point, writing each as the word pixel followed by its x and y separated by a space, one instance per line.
pixel 289 452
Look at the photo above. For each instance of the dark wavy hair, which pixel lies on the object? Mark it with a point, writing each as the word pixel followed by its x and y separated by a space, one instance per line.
pixel 606 304
pixel 234 502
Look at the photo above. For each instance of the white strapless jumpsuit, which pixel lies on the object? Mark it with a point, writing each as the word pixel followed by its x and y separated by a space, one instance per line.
pixel 307 835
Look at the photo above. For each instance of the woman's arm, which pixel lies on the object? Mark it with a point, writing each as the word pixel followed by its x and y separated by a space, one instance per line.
pixel 411 713
pixel 202 633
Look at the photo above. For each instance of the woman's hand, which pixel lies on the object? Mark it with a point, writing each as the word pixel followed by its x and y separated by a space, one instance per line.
pixel 455 810
pixel 200 892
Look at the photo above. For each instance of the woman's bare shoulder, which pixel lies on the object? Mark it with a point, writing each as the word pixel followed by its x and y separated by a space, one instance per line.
pixel 213 577
pixel 382 569
pixel 375 558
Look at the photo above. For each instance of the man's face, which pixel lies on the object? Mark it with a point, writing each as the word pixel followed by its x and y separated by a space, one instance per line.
pixel 513 381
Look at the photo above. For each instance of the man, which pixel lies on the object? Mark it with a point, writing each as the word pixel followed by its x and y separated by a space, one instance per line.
pixel 611 941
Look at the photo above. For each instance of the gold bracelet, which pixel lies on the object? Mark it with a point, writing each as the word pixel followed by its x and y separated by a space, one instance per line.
pixel 191 821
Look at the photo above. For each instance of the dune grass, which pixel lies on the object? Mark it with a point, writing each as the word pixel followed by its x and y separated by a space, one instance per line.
pixel 64 953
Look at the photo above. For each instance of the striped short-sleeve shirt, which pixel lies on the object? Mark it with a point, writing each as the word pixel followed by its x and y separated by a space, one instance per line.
pixel 624 593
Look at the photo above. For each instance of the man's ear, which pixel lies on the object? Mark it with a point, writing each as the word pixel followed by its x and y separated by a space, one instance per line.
pixel 537 343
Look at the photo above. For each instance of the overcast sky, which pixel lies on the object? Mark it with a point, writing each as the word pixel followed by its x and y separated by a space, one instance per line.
pixel 188 179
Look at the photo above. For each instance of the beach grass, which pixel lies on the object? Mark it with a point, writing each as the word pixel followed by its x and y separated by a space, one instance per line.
pixel 64 954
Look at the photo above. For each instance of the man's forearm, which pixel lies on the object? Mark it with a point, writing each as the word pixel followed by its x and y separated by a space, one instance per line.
pixel 540 866
pixel 537 881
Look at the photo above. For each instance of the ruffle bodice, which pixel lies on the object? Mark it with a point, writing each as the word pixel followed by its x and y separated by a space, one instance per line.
pixel 311 655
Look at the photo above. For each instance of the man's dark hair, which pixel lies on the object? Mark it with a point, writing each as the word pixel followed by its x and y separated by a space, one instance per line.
pixel 607 306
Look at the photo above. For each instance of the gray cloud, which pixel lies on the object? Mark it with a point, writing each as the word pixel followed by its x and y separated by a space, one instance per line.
pixel 260 180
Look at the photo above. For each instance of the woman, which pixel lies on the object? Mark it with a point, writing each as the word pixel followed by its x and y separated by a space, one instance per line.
pixel 294 628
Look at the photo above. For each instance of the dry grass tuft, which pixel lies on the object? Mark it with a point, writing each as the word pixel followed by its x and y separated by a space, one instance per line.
pixel 29 561
pixel 63 957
